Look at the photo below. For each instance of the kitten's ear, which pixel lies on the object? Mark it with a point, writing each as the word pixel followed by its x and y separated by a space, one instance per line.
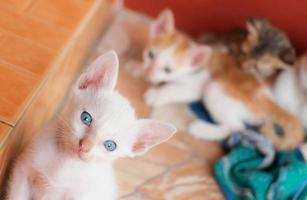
pixel 288 56
pixel 102 73
pixel 252 25
pixel 199 54
pixel 151 133
pixel 164 24
pixel 255 25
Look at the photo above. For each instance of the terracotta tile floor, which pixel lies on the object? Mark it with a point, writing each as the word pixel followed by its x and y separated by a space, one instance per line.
pixel 179 169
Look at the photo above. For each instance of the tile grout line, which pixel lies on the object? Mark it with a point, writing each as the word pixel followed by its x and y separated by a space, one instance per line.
pixel 23 12
pixel 32 76
pixel 168 169
pixel 26 11
pixel 6 123
pixel 28 40
pixel 28 4
pixel 19 69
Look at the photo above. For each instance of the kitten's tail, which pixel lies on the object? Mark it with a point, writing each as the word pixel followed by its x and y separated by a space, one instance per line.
pixel 285 130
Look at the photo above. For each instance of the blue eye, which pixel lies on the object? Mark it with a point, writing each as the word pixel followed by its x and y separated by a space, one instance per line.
pixel 110 145
pixel 86 118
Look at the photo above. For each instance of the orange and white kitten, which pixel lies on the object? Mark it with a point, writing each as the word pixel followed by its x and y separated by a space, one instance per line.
pixel 72 158
pixel 194 72
pixel 173 57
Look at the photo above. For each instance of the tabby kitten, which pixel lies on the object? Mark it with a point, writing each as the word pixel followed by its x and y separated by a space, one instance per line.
pixel 267 49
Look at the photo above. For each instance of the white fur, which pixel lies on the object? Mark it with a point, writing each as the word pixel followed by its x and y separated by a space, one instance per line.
pixel 69 179
pixel 289 93
pixel 81 167
pixel 186 89
pixel 226 111
pixel 303 149
pixel 190 87
pixel 207 131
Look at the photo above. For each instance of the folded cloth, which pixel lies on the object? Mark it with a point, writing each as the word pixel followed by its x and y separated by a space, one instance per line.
pixel 253 170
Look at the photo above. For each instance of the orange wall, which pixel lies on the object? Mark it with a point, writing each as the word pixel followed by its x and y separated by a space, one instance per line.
pixel 196 16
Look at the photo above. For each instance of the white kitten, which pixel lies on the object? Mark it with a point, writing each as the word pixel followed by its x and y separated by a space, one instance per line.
pixel 72 158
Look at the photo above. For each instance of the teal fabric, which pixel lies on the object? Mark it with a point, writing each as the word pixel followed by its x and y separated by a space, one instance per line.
pixel 241 176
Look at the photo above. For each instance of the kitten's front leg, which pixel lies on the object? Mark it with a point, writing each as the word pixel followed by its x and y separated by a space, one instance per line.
pixel 171 93
pixel 188 89
pixel 19 187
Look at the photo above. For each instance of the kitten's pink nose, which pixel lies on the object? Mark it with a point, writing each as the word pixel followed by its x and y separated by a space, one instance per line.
pixel 85 145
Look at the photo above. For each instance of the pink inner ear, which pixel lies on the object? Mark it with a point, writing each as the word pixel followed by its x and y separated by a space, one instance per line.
pixel 197 58
pixel 141 143
pixel 138 146
pixel 161 27
pixel 150 134
pixel 144 141
pixel 94 79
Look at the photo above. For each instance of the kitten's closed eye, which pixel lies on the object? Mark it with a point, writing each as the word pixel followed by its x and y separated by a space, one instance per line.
pixel 151 54
pixel 167 69
pixel 110 145
pixel 86 118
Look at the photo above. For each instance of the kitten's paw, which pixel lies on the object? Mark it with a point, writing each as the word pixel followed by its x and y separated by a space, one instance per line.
pixel 153 97
pixel 196 129
pixel 207 131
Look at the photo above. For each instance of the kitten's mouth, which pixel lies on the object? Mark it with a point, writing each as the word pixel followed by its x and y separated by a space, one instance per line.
pixel 81 154
pixel 77 151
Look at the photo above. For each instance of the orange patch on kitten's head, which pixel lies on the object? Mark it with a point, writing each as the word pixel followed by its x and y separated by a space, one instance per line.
pixel 169 54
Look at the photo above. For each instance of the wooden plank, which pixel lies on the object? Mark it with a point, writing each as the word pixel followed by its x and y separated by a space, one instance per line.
pixel 26 54
pixel 60 13
pixel 32 29
pixel 16 89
